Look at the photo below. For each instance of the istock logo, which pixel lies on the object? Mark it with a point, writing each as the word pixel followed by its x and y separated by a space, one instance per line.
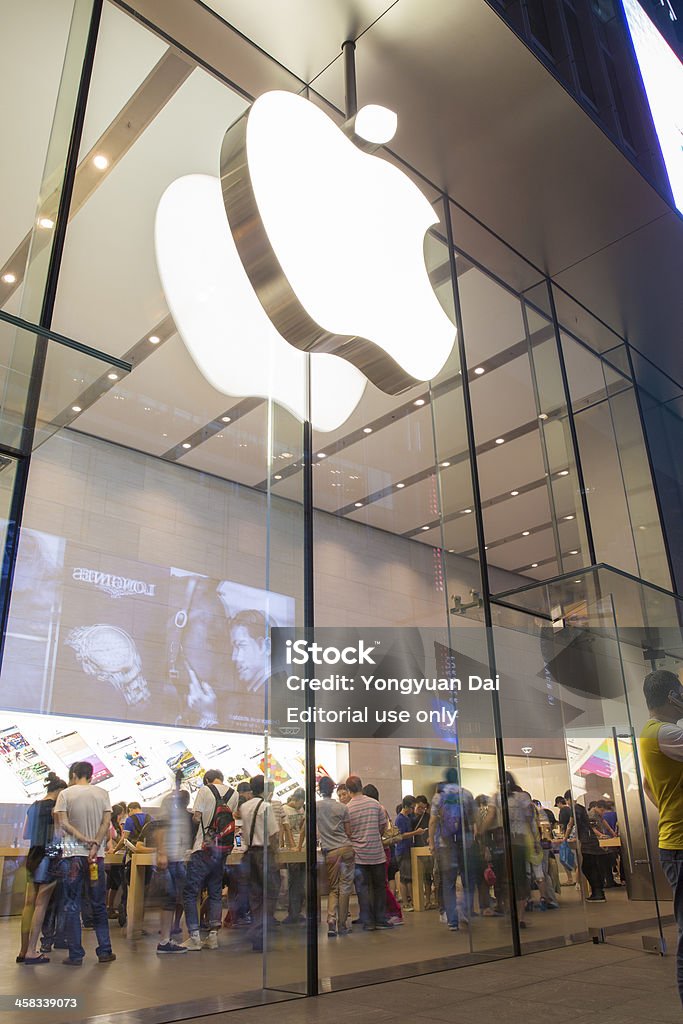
pixel 299 652
pixel 307 243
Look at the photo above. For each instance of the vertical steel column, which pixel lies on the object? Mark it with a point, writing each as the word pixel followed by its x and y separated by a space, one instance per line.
pixel 47 310
pixel 572 425
pixel 486 592
pixel 309 738
pixel 350 94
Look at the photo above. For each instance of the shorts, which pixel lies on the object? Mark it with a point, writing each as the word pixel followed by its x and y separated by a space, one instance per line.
pixel 174 880
pixel 405 867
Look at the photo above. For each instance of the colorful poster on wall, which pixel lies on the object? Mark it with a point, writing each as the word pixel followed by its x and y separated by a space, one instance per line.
pixel 71 747
pixel 20 756
pixel 151 778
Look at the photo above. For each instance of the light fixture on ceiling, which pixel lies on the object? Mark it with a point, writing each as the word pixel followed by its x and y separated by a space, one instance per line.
pixel 574 552
pixel 322 455
pixel 500 440
pixel 375 124
pixel 112 376
pixel 445 465
pixel 543 415
pixel 358 504
pixel 9 278
pixel 426 527
pixel 187 444
pixel 164 435
pixel 479 370
pixel 466 511
pixel 525 533
pixel 76 408
pixel 367 430
pixel 100 161
pixel 642 527
pixel 419 401
pixel 568 517
pixel 514 494
pixel 46 223
pixel 577 581
pixel 154 339
pixel 399 486
pixel 563 472
pixel 527 750
pixel 286 455
pixel 148 408
pixel 451 550
pixel 278 476
pixel 225 419
pixel 534 565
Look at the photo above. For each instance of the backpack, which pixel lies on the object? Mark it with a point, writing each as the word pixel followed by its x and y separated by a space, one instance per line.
pixel 220 833
pixel 451 814
pixel 137 834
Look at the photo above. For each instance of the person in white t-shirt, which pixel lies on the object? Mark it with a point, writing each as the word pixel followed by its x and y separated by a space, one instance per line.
pixel 260 833
pixel 83 815
pixel 206 863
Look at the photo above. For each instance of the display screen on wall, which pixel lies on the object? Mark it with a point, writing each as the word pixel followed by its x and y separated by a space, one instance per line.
pixel 140 762
pixel 95 635
pixel 662 74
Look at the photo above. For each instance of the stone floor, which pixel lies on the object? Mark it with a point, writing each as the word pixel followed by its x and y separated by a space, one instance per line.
pixel 606 984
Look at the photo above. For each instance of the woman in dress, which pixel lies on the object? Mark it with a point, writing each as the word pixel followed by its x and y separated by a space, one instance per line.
pixel 41 875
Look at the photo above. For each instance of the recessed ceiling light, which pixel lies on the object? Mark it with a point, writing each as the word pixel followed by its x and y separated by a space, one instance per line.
pixel 187 444
pixel 425 527
pixel 575 552
pixel 479 370
pixel 367 430
pixel 543 415
pixel 466 511
pixel 112 376
pixel 400 486
pixel 451 550
pixel 569 517
pixel 322 455
pixel 286 455
pixel 76 408
pixel 100 162
pixel 154 339
pixel 525 533
pixel 500 440
pixel 445 465
pixel 225 419
pixel 358 504
pixel 148 408
pixel 577 581
pixel 278 476
pixel 642 527
pixel 514 493
pixel 419 401
pixel 9 278
pixel 534 565
pixel 220 436
pixel 486 547
pixel 46 223
pixel 563 472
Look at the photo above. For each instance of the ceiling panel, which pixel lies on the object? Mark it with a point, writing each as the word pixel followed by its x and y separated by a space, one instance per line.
pixel 524 512
pixel 507 466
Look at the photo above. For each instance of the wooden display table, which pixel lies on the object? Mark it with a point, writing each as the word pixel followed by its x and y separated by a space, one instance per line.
pixel 417 854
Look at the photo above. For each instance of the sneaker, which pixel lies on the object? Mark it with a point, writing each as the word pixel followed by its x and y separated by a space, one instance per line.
pixel 170 947
pixel 596 897
pixel 331 929
pixel 70 962
pixel 408 909
pixel 211 940
pixel 383 926
pixel 343 930
pixel 193 943
pixel 442 917
pixel 396 921
pixel 454 928
pixel 107 958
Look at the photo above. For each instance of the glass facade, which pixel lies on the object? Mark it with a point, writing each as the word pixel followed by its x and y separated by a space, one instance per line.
pixel 157 529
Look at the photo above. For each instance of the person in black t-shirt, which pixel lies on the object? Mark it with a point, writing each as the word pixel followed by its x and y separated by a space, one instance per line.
pixel 591 852
pixel 564 816
pixel 41 877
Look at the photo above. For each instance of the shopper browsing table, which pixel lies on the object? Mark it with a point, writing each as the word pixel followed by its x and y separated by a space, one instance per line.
pixel 83 815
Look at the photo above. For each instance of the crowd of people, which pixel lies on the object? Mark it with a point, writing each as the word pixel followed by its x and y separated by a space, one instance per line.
pixel 200 887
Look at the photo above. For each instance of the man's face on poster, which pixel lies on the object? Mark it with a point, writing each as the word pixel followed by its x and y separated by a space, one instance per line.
pixel 249 655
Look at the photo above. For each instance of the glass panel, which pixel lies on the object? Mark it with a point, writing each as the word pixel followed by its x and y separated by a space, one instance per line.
pixel 529 489
pixel 621 499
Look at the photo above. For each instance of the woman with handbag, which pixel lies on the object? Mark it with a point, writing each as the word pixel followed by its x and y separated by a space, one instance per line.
pixel 42 862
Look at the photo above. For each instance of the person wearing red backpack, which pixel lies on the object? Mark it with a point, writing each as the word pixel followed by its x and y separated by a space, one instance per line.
pixel 213 813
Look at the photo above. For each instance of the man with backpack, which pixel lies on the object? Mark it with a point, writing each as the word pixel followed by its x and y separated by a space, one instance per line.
pixel 213 813
pixel 451 831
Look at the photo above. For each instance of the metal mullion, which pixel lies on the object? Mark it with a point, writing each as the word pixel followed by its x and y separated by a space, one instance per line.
pixel 483 569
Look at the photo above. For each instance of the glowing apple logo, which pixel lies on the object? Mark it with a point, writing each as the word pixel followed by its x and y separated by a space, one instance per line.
pixel 324 254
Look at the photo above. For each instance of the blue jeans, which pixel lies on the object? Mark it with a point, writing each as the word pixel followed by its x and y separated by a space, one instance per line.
pixel 371 886
pixel 672 863
pixel 173 880
pixel 75 873
pixel 204 871
pixel 449 869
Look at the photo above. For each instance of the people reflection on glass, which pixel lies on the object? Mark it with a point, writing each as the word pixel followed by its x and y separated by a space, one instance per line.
pixel 293 830
pixel 451 835
pixel 42 863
